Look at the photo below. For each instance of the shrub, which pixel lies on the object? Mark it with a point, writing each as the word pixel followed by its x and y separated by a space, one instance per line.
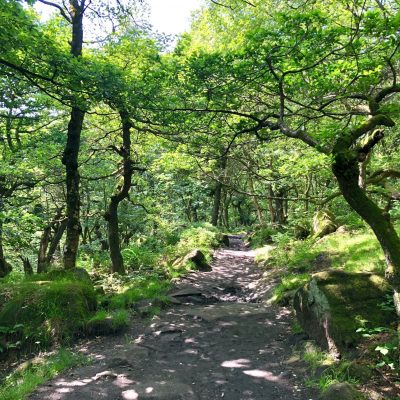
pixel 262 236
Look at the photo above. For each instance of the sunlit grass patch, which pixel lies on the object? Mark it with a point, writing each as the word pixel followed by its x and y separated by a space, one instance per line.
pixel 138 289
pixel 25 379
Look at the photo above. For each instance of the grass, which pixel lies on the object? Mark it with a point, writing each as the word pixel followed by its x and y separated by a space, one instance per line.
pixel 23 381
pixel 138 289
pixel 108 322
pixel 356 251
pixel 352 251
pixel 288 283
pixel 332 371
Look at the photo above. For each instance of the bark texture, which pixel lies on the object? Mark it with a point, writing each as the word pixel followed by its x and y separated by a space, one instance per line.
pixel 71 151
pixel 122 192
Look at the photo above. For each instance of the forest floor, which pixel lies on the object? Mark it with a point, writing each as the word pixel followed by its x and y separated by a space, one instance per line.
pixel 220 342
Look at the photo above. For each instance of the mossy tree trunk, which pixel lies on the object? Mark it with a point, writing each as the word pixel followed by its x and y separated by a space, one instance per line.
pixel 346 170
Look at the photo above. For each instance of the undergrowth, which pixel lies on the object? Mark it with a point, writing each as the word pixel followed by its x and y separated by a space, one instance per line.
pixel 23 381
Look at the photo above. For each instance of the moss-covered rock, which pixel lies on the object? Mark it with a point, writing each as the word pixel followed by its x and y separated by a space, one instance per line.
pixel 323 224
pixel 334 304
pixel 342 391
pixel 197 258
pixel 360 371
pixel 79 274
pixel 45 311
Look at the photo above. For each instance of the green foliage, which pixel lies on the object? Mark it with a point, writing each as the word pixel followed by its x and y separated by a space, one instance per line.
pixel 138 257
pixel 23 381
pixel 335 374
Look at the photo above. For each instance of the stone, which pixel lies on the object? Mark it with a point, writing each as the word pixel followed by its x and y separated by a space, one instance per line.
pixel 342 229
pixel 331 307
pixel 101 327
pixel 225 240
pixel 197 258
pixel 322 261
pixel 172 300
pixel 342 391
pixel 145 307
pixel 360 371
pixel 323 224
pixel 189 291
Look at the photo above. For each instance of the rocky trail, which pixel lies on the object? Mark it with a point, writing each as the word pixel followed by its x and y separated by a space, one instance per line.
pixel 216 342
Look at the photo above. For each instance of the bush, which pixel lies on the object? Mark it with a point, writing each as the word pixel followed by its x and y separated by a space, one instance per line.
pixel 44 312
pixel 204 238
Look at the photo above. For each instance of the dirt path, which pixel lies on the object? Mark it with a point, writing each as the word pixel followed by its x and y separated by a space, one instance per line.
pixel 219 343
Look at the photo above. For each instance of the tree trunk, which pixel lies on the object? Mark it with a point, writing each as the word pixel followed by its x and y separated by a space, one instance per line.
pixel 307 192
pixel 117 262
pixel 111 216
pixel 280 216
pixel 71 151
pixel 256 203
pixel 217 203
pixel 362 177
pixel 271 204
pixel 48 242
pixel 70 160
pixel 5 267
pixel 346 170
pixel 43 245
pixel 56 241
pixel 28 270
pixel 221 165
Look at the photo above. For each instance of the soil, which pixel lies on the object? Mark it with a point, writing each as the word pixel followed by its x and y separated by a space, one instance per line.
pixel 219 341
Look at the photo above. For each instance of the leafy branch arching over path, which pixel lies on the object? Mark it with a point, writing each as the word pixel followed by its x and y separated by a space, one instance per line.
pixel 220 343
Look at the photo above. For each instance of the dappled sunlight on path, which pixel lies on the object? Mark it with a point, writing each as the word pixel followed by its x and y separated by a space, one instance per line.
pixel 222 342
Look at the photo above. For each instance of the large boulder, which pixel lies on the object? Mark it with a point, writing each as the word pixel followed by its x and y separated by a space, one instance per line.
pixel 197 258
pixel 334 304
pixel 323 224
